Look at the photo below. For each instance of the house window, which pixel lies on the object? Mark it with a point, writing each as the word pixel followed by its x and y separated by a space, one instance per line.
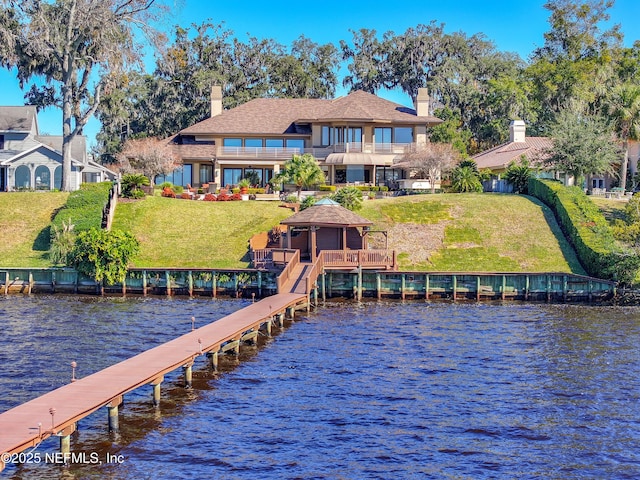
pixel 274 142
pixel 296 143
pixel 403 135
pixel 206 173
pixel 326 136
pixel 383 134
pixel 23 177
pixel 253 142
pixel 43 178
pixel 1 142
pixel 180 176
pixel 57 178
pixel 232 142
pixel 354 135
pixel 231 176
pixel 254 175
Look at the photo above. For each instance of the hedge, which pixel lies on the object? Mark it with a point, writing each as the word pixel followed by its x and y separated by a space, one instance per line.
pixel 84 206
pixel 587 230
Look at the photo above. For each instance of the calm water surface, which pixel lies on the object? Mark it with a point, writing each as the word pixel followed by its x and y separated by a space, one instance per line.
pixel 353 391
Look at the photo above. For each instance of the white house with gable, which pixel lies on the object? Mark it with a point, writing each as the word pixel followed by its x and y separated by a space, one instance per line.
pixel 29 161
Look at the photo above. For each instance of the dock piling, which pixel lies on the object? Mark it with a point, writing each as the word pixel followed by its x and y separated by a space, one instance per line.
pixel 112 407
pixel 188 375
pixel 156 390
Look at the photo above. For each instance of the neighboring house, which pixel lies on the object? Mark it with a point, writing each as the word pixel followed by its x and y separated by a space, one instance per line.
pixel 29 161
pixel 519 146
pixel 355 139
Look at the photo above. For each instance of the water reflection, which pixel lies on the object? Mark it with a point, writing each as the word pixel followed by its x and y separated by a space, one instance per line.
pixel 371 390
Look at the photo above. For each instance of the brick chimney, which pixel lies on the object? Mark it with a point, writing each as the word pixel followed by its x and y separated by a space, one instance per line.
pixel 216 100
pixel 517 131
pixel 422 103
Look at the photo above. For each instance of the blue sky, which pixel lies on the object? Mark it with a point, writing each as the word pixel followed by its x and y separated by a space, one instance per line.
pixel 514 26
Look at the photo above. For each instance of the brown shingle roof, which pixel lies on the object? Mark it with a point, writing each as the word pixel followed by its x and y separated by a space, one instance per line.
pixel 330 215
pixel 500 157
pixel 268 116
pixel 277 116
pixel 363 106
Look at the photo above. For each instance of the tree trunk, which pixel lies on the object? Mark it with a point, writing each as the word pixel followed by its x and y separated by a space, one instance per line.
pixel 625 165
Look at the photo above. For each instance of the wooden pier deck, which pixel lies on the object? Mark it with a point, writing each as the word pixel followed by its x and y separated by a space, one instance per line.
pixel 58 411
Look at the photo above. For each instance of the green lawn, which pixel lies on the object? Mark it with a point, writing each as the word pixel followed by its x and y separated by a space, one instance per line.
pixel 185 233
pixel 473 232
pixel 24 223
pixel 450 232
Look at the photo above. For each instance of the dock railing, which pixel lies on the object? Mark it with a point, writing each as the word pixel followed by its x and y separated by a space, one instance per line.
pixel 293 257
pixel 360 258
pixel 316 270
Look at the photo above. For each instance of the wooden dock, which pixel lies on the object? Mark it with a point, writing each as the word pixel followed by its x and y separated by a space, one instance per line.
pixel 56 413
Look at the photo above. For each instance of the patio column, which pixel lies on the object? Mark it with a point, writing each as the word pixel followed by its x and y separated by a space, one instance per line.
pixel 344 238
pixel 312 231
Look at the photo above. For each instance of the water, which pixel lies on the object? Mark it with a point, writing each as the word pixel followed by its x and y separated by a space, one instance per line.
pixel 372 390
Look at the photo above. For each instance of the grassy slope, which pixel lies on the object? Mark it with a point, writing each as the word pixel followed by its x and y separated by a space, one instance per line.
pixel 482 232
pixel 24 223
pixel 182 233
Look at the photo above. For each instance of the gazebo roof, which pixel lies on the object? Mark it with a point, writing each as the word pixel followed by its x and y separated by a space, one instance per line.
pixel 327 213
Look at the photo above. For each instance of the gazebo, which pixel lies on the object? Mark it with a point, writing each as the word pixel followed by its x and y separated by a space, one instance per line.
pixel 325 226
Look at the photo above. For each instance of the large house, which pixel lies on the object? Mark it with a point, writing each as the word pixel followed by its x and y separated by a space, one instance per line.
pixel 29 161
pixel 355 139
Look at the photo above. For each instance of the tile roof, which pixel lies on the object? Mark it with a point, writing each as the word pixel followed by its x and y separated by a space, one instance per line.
pixel 17 119
pixel 277 116
pixel 323 214
pixel 500 156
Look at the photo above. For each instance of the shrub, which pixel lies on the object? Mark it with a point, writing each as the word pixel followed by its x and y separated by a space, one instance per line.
pixel 132 184
pixel 84 207
pixel 327 188
pixel 587 230
pixel 62 241
pixel 349 197
pixel 308 202
pixel 209 197
pixel 103 255
pixel 185 196
pixel 168 192
pixel 223 197
pixel 236 197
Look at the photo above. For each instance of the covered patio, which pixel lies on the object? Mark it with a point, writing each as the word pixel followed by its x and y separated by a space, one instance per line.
pixel 335 232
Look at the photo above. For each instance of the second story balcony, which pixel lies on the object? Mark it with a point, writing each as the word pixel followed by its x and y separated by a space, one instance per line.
pixel 285 153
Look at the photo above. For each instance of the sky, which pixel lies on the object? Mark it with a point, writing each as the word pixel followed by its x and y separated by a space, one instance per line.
pixel 514 26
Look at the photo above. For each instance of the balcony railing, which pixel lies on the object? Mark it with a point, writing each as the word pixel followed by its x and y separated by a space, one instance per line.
pixel 258 152
pixel 284 153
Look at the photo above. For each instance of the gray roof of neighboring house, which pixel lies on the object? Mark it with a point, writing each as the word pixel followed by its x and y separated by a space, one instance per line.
pixel 278 116
pixel 78 146
pixel 17 119
pixel 327 214
pixel 499 157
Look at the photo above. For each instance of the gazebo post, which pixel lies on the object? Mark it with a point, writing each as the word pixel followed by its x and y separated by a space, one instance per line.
pixel 312 230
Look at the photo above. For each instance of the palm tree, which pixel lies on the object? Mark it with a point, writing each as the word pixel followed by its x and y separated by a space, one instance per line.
pixel 465 179
pixel 624 110
pixel 301 171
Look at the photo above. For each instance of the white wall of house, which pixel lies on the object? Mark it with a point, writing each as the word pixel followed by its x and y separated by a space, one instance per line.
pixel 37 170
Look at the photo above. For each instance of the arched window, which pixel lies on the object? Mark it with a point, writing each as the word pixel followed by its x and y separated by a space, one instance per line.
pixel 23 177
pixel 57 178
pixel 43 178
